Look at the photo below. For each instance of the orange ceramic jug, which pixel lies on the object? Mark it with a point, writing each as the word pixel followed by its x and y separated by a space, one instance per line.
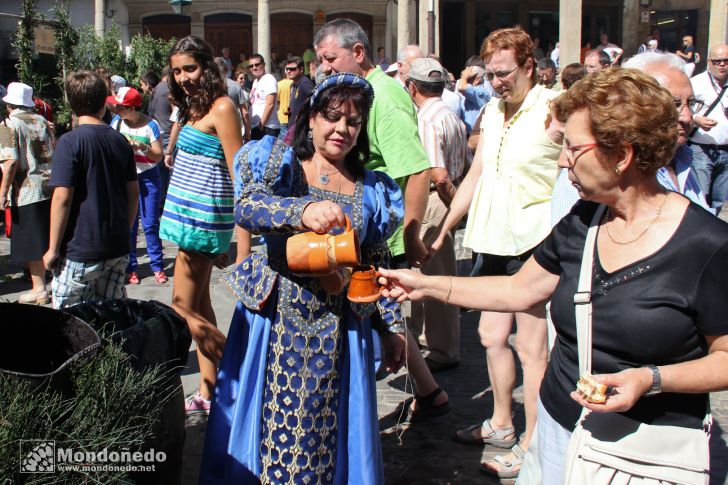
pixel 320 254
pixel 364 287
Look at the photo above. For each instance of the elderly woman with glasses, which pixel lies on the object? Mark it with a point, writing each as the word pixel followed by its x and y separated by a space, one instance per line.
pixel 659 328
pixel 507 195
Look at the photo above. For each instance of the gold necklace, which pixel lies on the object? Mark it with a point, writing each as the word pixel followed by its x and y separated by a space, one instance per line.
pixel 624 243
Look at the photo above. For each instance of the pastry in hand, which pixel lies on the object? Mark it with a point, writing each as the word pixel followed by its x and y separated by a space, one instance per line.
pixel 591 390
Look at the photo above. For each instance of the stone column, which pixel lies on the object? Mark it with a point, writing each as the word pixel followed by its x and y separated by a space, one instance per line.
pixel 717 27
pixel 569 31
pixel 99 20
pixel 264 29
pixel 632 33
pixel 390 21
pixel 403 24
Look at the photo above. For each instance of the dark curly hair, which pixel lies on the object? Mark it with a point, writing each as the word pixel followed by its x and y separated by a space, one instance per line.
pixel 625 106
pixel 329 100
pixel 212 84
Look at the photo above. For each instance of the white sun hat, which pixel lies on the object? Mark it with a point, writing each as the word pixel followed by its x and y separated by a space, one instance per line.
pixel 19 94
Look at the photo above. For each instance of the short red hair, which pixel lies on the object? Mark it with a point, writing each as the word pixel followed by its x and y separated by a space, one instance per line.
pixel 514 39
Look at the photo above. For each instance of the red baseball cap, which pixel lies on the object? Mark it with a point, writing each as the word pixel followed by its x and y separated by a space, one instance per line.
pixel 126 97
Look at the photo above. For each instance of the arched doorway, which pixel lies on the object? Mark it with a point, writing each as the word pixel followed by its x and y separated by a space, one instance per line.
pixel 366 22
pixel 290 32
pixel 166 26
pixel 231 30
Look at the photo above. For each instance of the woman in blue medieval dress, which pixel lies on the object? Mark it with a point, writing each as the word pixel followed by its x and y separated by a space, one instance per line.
pixel 295 398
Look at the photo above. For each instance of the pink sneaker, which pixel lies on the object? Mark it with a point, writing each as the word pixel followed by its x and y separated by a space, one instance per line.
pixel 196 404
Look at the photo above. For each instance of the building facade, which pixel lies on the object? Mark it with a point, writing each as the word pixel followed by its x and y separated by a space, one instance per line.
pixel 459 25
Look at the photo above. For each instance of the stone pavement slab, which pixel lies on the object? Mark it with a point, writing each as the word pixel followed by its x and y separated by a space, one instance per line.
pixel 422 453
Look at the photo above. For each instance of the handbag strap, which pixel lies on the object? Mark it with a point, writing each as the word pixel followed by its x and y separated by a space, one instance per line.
pixel 582 298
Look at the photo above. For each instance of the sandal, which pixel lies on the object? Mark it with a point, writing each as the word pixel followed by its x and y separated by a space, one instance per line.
pixel 495 437
pixel 160 277
pixel 132 278
pixel 426 407
pixel 507 468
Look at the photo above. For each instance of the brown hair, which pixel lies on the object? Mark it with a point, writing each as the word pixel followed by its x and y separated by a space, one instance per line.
pixel 625 106
pixel 572 73
pixel 513 38
pixel 212 84
pixel 86 92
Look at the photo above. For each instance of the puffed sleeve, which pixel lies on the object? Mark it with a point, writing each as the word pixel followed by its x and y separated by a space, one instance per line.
pixel 383 209
pixel 266 172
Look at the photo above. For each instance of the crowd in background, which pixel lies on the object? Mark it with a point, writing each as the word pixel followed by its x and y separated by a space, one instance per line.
pixel 497 142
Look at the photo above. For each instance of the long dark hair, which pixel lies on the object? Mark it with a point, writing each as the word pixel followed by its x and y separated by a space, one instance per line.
pixel 332 99
pixel 212 85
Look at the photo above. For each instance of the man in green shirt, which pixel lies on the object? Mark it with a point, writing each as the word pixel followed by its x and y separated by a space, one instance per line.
pixel 342 46
pixel 308 56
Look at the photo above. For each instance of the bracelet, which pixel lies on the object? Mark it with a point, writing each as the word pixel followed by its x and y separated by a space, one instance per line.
pixel 449 291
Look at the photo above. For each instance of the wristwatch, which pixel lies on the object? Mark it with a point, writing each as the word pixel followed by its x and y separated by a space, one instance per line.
pixel 656 387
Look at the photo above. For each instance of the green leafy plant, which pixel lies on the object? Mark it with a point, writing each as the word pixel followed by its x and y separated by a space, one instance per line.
pixel 24 40
pixel 148 54
pixel 67 38
pixel 98 416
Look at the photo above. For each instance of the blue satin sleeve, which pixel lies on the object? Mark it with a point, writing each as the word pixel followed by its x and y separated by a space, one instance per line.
pixel 266 172
pixel 384 208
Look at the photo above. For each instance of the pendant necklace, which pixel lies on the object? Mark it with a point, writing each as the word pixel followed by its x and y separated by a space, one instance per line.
pixel 323 177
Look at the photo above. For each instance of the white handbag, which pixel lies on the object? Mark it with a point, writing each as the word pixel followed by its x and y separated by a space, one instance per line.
pixel 609 448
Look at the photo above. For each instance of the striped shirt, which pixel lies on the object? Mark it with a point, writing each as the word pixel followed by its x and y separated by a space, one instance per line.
pixel 146 134
pixel 443 136
pixel 687 182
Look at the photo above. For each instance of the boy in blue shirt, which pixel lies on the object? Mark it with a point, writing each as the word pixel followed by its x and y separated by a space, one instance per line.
pixel 94 201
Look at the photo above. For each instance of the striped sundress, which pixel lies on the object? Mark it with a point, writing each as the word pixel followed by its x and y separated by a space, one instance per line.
pixel 198 211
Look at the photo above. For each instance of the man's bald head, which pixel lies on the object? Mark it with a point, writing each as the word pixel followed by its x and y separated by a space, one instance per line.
pixel 405 56
pixel 409 53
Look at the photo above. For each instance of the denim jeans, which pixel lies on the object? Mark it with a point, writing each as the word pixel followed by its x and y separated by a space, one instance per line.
pixel 149 189
pixel 711 167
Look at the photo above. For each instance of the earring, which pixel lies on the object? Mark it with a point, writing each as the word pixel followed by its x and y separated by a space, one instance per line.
pixel 616 170
pixel 310 135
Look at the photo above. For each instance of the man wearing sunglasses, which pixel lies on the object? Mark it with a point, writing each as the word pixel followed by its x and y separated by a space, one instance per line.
pixel 710 139
pixel 300 91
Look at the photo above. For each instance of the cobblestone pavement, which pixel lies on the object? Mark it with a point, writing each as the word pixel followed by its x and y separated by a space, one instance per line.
pixel 417 454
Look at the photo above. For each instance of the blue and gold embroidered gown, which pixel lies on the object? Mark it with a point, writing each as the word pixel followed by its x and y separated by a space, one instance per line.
pixel 295 400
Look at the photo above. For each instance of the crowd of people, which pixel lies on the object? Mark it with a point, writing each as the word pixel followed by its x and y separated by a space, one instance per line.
pixel 535 157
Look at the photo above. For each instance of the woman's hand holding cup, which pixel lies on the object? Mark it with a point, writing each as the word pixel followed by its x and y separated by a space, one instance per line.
pixel 403 284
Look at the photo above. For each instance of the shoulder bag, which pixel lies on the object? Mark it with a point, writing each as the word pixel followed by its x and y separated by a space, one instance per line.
pixel 610 448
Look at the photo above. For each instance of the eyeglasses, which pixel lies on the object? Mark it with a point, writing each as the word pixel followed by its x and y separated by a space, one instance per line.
pixel 500 74
pixel 693 104
pixel 291 69
pixel 571 151
pixel 256 64
pixel 719 62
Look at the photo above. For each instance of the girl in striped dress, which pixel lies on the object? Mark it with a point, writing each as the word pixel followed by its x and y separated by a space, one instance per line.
pixel 198 211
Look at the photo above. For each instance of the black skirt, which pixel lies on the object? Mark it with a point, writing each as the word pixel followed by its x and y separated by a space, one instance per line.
pixel 31 229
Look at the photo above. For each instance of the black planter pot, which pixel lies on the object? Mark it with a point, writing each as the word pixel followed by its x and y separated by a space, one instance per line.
pixel 41 345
